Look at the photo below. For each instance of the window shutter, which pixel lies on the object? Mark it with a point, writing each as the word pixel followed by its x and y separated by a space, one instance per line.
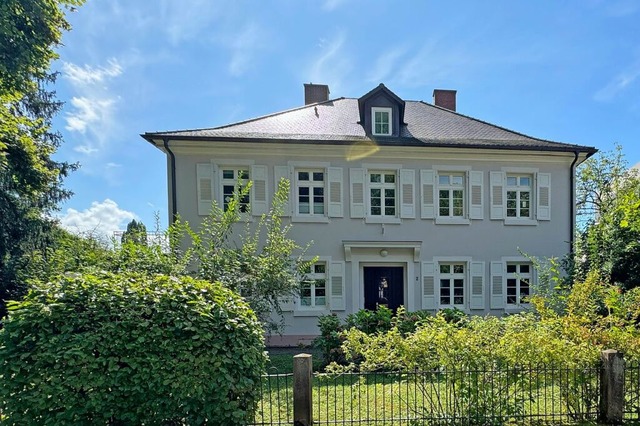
pixel 497 194
pixel 543 196
pixel 429 285
pixel 427 185
pixel 287 303
pixel 284 172
pixel 476 200
pixel 259 190
pixel 477 285
pixel 204 186
pixel 336 278
pixel 407 194
pixel 356 179
pixel 497 285
pixel 334 176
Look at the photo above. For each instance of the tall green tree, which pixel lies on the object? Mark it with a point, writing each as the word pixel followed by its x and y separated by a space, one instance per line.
pixel 608 196
pixel 30 180
pixel 136 232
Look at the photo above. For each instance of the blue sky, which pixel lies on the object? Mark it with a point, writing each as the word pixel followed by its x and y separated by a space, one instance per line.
pixel 568 71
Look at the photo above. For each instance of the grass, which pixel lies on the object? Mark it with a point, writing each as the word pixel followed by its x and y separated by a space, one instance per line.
pixel 281 359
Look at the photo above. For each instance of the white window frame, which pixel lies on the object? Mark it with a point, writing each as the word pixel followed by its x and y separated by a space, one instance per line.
pixel 466 195
pixel 311 184
pixel 225 182
pixel 389 111
pixel 384 169
pixel 450 187
pixel 519 191
pixel 306 310
pixel 520 171
pixel 453 276
pixel 518 276
pixel 294 168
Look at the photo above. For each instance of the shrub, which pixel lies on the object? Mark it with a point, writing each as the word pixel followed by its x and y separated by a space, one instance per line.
pixel 130 349
pixel 330 340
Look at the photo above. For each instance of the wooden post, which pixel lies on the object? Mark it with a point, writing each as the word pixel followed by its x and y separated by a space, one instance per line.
pixel 302 401
pixel 612 387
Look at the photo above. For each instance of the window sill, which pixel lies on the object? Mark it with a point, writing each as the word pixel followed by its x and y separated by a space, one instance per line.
pixel 383 219
pixel 310 312
pixel 310 219
pixel 452 221
pixel 521 222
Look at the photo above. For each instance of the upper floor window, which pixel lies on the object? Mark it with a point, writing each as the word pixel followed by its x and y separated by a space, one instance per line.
pixel 232 178
pixel 382 193
pixel 381 121
pixel 313 291
pixel 451 194
pixel 310 187
pixel 518 278
pixel 519 189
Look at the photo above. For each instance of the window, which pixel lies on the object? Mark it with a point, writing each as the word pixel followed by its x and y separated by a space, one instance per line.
pixel 381 121
pixel 314 287
pixel 518 283
pixel 310 198
pixel 451 195
pixel 519 196
pixel 452 277
pixel 382 193
pixel 232 178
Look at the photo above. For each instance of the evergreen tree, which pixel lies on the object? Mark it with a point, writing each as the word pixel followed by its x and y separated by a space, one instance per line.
pixel 136 233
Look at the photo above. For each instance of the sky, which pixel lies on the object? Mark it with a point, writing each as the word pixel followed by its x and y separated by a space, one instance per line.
pixel 563 70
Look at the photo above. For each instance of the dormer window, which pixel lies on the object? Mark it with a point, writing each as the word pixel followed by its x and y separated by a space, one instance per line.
pixel 381 121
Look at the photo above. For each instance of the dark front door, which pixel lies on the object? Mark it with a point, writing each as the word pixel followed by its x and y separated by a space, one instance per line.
pixel 383 285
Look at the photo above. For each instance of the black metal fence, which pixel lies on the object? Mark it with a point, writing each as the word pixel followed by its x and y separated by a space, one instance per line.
pixel 489 395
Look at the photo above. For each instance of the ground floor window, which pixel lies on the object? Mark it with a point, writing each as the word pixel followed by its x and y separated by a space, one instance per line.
pixel 452 288
pixel 313 292
pixel 518 283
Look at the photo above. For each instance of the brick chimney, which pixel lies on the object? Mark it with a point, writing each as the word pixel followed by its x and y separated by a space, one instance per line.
pixel 445 98
pixel 315 93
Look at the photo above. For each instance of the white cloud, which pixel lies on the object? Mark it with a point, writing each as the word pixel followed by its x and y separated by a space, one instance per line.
pixel 330 5
pixel 619 83
pixel 385 64
pixel 93 110
pixel 332 65
pixel 243 47
pixel 101 218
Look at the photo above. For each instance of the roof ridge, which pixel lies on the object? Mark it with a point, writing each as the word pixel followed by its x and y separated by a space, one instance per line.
pixel 492 124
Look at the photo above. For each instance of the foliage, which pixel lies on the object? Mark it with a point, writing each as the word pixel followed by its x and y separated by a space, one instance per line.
pixel 594 316
pixel 258 262
pixel 136 232
pixel 130 349
pixel 30 180
pixel 608 197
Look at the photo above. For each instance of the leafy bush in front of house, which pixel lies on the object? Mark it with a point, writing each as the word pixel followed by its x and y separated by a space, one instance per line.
pixel 130 349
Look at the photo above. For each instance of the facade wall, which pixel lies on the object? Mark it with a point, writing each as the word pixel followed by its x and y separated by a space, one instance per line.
pixel 415 244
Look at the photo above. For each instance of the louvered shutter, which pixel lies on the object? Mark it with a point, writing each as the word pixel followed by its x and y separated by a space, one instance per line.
pixel 259 190
pixel 356 180
pixel 477 285
pixel 429 290
pixel 204 187
pixel 427 188
pixel 337 291
pixel 335 178
pixel 476 200
pixel 543 196
pixel 497 285
pixel 497 194
pixel 407 194
pixel 284 172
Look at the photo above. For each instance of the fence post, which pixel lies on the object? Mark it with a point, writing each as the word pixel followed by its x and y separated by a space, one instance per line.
pixel 302 402
pixel 612 386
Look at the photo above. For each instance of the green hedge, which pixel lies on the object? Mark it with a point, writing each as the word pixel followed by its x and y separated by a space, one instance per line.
pixel 130 349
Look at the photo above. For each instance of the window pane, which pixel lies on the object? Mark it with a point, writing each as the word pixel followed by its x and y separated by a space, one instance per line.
pixel 525 181
pixel 318 176
pixel 524 269
pixel 458 269
pixel 443 180
pixel 318 192
pixel 303 208
pixel 512 195
pixel 243 174
pixel 384 129
pixel 456 180
pixel 389 178
pixel 303 175
pixel 318 208
pixel 375 178
pixel 375 202
pixel 319 268
pixel 376 192
pixel 227 174
pixel 445 269
pixel 321 301
pixel 512 181
pixel 389 193
pixel 512 269
pixel 390 211
pixel 303 190
pixel 376 211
